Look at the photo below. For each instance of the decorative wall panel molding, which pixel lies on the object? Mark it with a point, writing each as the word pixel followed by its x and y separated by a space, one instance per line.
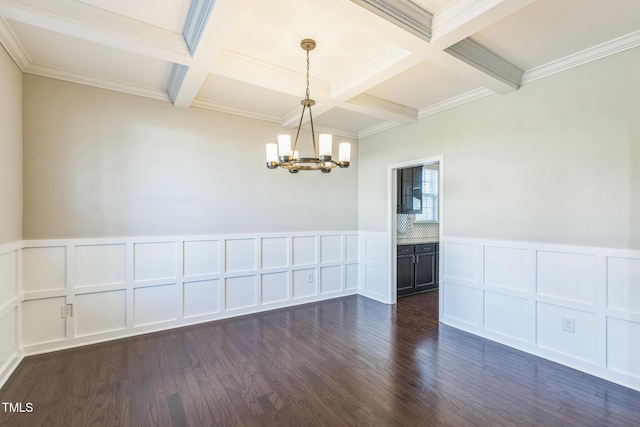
pixel 577 306
pixel 10 309
pixel 121 287
pixel 374 268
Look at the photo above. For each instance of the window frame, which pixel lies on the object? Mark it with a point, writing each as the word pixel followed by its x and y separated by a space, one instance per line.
pixel 429 172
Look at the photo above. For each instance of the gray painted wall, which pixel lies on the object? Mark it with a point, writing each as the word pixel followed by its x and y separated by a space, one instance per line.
pixel 10 150
pixel 558 161
pixel 104 164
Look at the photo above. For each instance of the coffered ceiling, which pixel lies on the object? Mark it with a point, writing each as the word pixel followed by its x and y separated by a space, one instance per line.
pixel 378 63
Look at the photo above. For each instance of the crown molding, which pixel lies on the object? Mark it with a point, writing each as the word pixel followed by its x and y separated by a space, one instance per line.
pixel 258 115
pixel 230 109
pixel 459 13
pixel 13 46
pixel 96 81
pixel 405 14
pixel 381 108
pixel 84 21
pixel 456 101
pixel 196 22
pixel 585 56
pixel 176 77
pixel 377 129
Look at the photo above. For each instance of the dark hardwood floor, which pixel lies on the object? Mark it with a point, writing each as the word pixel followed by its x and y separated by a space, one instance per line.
pixel 349 361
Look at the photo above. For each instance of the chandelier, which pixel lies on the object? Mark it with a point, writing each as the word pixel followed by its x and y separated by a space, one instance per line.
pixel 284 156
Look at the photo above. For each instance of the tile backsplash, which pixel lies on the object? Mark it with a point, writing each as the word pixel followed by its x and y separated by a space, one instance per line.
pixel 409 232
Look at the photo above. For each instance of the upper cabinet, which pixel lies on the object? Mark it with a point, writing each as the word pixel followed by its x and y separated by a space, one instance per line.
pixel 410 190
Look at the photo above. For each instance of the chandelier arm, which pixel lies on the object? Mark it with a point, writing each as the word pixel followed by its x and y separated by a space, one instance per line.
pixel 295 143
pixel 313 134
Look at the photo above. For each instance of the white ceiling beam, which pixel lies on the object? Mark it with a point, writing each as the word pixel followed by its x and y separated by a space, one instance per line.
pixel 355 84
pixel 454 25
pixel 381 108
pixel 487 62
pixel 259 73
pixel 467 17
pixel 467 59
pixel 405 14
pixel 211 22
pixel 83 21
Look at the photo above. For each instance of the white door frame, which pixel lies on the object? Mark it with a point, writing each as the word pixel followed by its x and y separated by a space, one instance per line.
pixel 392 297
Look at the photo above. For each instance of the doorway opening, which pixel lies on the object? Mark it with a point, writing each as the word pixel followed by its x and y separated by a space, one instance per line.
pixel 415 227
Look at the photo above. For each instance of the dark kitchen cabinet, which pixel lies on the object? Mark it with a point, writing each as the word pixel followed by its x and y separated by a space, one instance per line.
pixel 417 268
pixel 410 190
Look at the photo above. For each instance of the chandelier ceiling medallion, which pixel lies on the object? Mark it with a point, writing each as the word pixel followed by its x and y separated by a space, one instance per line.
pixel 282 155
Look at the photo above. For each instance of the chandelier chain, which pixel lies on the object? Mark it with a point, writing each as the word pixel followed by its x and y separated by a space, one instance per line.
pixel 307 93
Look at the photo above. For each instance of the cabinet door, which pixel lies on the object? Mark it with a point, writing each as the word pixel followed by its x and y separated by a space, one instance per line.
pixel 405 274
pixel 416 189
pixel 425 271
pixel 410 190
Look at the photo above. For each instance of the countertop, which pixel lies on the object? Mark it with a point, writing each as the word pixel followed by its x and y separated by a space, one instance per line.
pixel 415 240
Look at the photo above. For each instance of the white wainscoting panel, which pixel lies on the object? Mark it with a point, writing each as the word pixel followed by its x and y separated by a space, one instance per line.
pixel 155 261
pixel 623 346
pixel 351 276
pixel 241 255
pixel 507 315
pixel 375 251
pixel 304 283
pixel 8 344
pixel 201 257
pixel 156 304
pixel 462 303
pixel 275 252
pixel 528 295
pixel 351 247
pixel 330 279
pixel 275 287
pixel 100 264
pixel 374 269
pixel 304 250
pixel 44 269
pixel 10 309
pixel 99 312
pixel 376 282
pixel 569 276
pixel 507 267
pixel 330 248
pixel 241 292
pixel 42 321
pixel 461 261
pixel 623 284
pixel 119 287
pixel 202 297
pixel 8 276
pixel 580 344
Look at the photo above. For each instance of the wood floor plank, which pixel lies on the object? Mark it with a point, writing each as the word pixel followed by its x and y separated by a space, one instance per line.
pixel 344 362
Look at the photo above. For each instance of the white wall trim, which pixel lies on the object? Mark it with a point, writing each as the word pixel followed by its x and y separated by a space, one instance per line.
pixel 520 293
pixel 153 283
pixel 11 309
pixel 585 56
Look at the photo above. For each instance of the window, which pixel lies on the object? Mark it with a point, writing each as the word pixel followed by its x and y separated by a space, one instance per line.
pixel 429 195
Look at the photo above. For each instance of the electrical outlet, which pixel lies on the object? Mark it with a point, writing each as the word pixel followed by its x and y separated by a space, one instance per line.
pixel 310 278
pixel 66 311
pixel 568 324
